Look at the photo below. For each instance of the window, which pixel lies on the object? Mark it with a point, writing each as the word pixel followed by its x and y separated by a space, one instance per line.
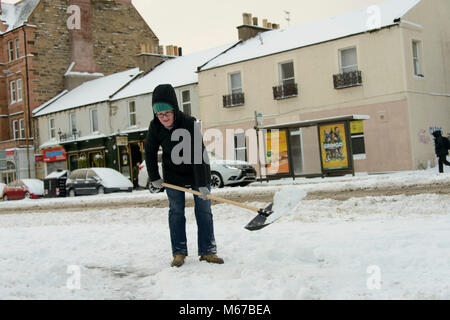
pixel 186 101
pixel 22 129
pixel 16 129
pixel 131 114
pixel 240 148
pixel 12 87
pixel 235 83
pixel 51 128
pixel 416 47
pixel 19 90
pixel 16 42
pixel 72 123
pixel 348 60
pixel 357 136
pixel 94 120
pixel 10 50
pixel 287 73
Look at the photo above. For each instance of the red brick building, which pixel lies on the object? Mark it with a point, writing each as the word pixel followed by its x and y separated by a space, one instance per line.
pixel 49 45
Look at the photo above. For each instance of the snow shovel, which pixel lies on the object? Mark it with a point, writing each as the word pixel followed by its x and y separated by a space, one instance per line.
pixel 257 223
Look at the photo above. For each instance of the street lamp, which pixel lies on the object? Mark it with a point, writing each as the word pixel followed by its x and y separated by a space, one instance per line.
pixel 27 121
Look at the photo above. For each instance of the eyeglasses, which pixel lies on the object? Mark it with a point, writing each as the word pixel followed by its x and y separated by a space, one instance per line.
pixel 165 114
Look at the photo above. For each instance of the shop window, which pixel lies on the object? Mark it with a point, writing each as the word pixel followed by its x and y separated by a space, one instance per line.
pixel 357 136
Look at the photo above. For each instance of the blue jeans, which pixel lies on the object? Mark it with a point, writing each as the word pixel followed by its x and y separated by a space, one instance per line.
pixel 177 223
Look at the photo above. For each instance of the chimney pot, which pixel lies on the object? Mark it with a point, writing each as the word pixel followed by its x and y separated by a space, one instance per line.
pixel 255 21
pixel 246 18
pixel 264 23
pixel 269 25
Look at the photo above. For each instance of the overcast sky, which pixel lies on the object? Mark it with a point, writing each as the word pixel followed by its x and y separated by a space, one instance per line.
pixel 201 24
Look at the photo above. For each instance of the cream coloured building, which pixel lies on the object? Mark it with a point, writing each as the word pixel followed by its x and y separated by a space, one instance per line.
pixel 390 62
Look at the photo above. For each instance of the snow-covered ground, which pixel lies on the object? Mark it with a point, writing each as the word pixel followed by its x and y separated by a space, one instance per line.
pixel 387 247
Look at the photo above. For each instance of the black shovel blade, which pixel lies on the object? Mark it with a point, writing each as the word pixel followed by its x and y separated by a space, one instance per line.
pixel 259 221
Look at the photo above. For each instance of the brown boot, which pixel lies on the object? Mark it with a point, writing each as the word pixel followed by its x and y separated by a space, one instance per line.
pixel 211 258
pixel 178 260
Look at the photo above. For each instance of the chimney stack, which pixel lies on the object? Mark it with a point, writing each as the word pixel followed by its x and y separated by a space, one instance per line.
pixel 250 27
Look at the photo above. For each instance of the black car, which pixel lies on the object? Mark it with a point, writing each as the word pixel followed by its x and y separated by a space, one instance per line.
pixel 96 181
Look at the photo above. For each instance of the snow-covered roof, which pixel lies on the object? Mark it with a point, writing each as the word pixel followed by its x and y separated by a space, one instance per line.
pixel 15 15
pixel 179 71
pixel 347 24
pixel 90 92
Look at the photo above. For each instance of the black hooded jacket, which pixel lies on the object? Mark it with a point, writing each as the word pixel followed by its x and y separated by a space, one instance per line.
pixel 441 144
pixel 194 172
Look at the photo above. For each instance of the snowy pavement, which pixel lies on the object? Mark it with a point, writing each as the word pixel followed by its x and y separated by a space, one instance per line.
pixel 390 247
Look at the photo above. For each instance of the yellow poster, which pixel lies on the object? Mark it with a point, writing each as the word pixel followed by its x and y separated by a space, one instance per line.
pixel 276 152
pixel 333 146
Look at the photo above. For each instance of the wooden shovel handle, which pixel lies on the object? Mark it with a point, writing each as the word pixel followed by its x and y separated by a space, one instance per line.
pixel 209 196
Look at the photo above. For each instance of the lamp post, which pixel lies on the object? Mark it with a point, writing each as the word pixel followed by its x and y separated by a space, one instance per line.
pixel 26 120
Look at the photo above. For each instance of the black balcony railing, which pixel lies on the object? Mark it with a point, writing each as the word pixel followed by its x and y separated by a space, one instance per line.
pixel 347 79
pixel 285 91
pixel 233 100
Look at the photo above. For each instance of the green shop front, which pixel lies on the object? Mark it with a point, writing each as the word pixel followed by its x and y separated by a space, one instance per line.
pixel 121 152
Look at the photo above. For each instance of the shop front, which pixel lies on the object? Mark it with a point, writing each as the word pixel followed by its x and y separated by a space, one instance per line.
pixel 121 152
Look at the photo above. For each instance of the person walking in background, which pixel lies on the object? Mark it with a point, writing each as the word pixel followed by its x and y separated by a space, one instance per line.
pixel 168 123
pixel 136 175
pixel 441 147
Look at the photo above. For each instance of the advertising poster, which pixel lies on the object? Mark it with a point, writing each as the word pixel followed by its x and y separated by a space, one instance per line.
pixel 276 152
pixel 333 146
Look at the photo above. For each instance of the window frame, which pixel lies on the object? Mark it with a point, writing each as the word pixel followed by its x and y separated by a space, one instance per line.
pixel 230 83
pixel 51 128
pixel 19 90
pixel 72 121
pixel 10 50
pixel 355 66
pixel 21 128
pixel 417 58
pixel 91 118
pixel 132 114
pixel 280 72
pixel 17 48
pixel 16 132
pixel 186 102
pixel 13 91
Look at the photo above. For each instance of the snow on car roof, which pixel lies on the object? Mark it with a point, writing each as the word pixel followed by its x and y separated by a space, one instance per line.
pixel 35 186
pixel 112 178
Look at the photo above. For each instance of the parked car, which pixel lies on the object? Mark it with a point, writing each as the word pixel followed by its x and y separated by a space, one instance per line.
pixel 2 187
pixel 96 181
pixel 23 189
pixel 223 173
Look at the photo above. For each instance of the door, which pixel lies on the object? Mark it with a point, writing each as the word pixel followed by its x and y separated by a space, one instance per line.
pixel 297 150
pixel 91 182
pixel 80 182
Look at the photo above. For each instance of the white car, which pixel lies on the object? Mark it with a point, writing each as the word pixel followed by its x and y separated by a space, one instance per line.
pixel 223 173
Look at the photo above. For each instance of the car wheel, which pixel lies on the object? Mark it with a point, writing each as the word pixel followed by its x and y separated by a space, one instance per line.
pixel 216 180
pixel 72 193
pixel 5 197
pixel 27 196
pixel 100 190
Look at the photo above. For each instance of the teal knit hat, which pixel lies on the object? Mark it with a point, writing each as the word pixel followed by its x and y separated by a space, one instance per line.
pixel 162 106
